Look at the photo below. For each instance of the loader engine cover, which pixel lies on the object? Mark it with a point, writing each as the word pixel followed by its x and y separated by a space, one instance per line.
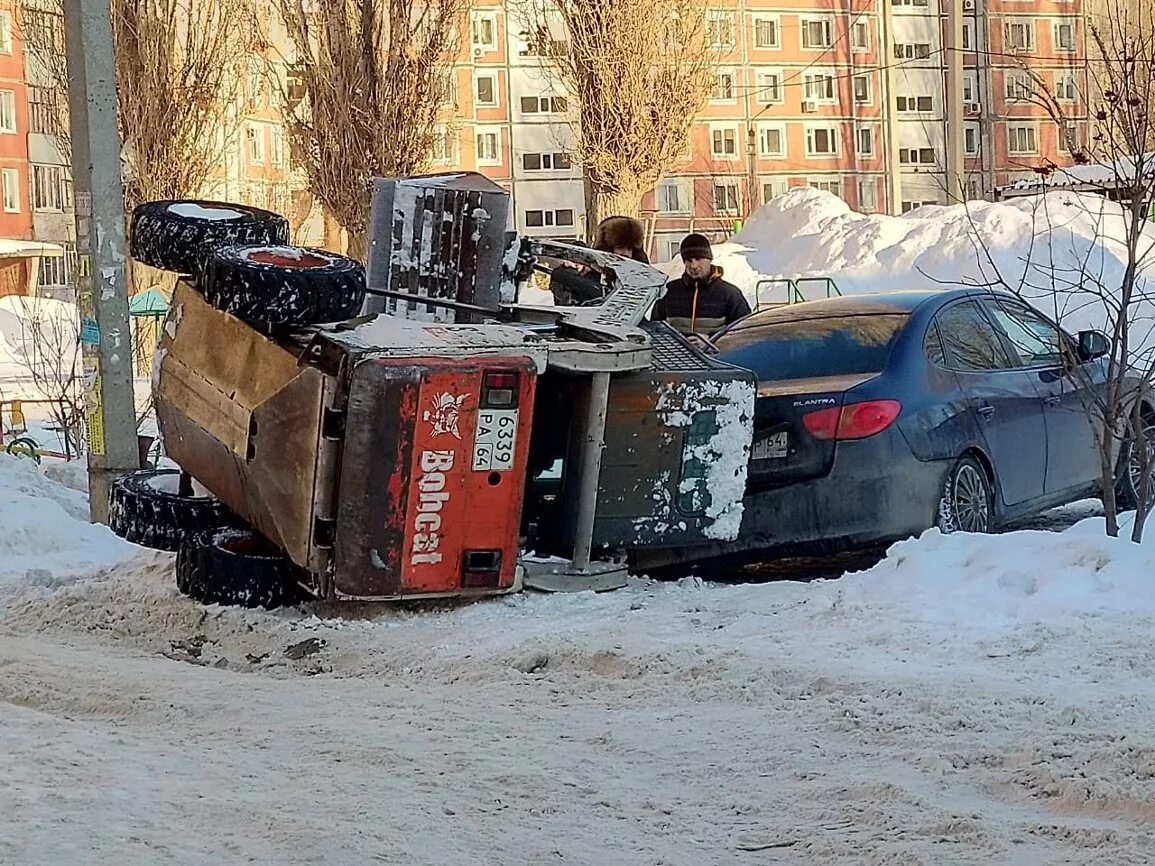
pixel 433 475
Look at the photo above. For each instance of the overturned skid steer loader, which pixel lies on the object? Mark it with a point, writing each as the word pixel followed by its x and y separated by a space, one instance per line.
pixel 446 442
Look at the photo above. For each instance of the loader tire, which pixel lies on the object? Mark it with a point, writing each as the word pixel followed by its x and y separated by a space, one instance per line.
pixel 178 236
pixel 237 567
pixel 276 287
pixel 146 508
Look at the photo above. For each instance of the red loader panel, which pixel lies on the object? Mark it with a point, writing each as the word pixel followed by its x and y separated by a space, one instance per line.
pixel 433 476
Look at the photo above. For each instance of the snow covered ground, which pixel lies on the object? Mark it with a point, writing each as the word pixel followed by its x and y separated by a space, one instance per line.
pixel 968 700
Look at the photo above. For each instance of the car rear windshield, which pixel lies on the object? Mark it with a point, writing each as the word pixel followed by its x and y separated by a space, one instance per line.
pixel 807 348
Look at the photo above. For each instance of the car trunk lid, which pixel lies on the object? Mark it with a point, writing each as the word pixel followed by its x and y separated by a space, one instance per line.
pixel 784 451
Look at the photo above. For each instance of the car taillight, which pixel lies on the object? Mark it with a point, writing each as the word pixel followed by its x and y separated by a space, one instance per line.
pixel 499 390
pixel 852 421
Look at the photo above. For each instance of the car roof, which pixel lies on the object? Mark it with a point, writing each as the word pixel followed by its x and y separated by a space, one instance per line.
pixel 874 303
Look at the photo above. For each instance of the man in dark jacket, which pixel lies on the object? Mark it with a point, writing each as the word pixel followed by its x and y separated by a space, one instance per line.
pixel 701 303
pixel 623 236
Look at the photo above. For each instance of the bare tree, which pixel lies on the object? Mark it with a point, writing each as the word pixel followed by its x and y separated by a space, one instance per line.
pixel 180 71
pixel 1107 281
pixel 371 78
pixel 636 73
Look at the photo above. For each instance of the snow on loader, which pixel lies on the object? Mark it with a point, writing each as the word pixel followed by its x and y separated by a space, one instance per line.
pixel 415 432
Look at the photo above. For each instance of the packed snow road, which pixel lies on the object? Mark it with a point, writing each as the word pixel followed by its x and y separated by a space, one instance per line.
pixel 968 700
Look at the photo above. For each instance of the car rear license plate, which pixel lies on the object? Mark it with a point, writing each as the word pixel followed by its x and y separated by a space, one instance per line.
pixel 495 440
pixel 772 447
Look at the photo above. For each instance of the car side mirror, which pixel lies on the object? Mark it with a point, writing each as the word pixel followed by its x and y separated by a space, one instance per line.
pixel 1092 345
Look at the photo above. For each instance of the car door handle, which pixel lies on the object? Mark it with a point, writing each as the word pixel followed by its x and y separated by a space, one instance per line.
pixel 1052 400
pixel 986 411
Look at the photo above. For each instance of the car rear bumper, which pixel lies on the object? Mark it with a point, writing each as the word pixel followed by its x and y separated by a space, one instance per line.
pixel 876 491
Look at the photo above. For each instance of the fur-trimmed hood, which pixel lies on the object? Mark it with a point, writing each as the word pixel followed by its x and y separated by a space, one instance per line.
pixel 622 231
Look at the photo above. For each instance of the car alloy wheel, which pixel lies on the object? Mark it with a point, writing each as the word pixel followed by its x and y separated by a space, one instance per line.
pixel 967 502
pixel 1135 464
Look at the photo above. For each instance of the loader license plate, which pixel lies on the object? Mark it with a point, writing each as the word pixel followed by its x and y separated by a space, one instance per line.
pixel 495 440
pixel 773 447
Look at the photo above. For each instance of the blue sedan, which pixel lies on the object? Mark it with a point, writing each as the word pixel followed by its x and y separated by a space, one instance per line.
pixel 880 416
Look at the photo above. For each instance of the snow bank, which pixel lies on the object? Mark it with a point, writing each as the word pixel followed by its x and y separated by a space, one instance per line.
pixel 990 583
pixel 45 536
pixel 1027 244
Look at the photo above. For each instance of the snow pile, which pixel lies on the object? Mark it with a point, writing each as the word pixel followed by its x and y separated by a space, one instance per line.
pixel 44 530
pixel 1029 244
pixel 978 584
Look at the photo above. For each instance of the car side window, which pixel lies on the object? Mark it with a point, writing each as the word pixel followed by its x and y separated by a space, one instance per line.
pixel 932 346
pixel 1034 340
pixel 969 341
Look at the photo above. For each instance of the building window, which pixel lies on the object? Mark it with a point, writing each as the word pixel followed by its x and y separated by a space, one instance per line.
pixel 53 272
pixel 11 189
pixel 862 89
pixel 1022 139
pixel 1064 35
pixel 488 148
pixel 908 206
pixel 277 145
pixel 822 141
pixel 773 188
pixel 724 142
pixel 971 139
pixel 720 28
pixel 445 145
pixel 1018 86
pixel 675 197
pixel 544 105
pixel 485 90
pixel 968 36
pixel 561 218
pixel 864 141
pixel 1019 35
pixel 867 196
pixel 51 189
pixel 833 187
pixel 920 3
pixel 860 36
pixel 450 96
pixel 5 32
pixel 912 50
pixel 256 143
pixel 766 33
pixel 45 110
pixel 723 86
pixel 970 86
pixel 772 141
pixel 818 86
pixel 7 112
pixel 1066 87
pixel 917 156
pixel 546 161
pixel 769 87
pixel 914 104
pixel 484 31
pixel 817 33
pixel 726 198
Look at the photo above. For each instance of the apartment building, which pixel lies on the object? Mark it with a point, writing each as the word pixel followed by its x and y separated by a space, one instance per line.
pixel 838 99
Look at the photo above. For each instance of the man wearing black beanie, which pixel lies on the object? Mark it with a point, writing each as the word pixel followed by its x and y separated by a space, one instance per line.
pixel 701 303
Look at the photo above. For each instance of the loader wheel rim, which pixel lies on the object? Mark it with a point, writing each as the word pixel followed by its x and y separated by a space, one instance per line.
pixel 286 258
pixel 971 500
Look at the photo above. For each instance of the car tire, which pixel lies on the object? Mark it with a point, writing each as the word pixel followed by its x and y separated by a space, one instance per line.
pixel 1129 471
pixel 177 236
pixel 237 567
pixel 967 503
pixel 272 287
pixel 147 508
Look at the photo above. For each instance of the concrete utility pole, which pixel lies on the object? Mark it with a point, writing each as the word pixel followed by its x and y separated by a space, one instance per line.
pixel 956 186
pixel 101 278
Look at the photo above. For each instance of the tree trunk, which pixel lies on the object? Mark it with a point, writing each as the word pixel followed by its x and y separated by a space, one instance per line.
pixel 332 231
pixel 606 203
pixel 358 247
